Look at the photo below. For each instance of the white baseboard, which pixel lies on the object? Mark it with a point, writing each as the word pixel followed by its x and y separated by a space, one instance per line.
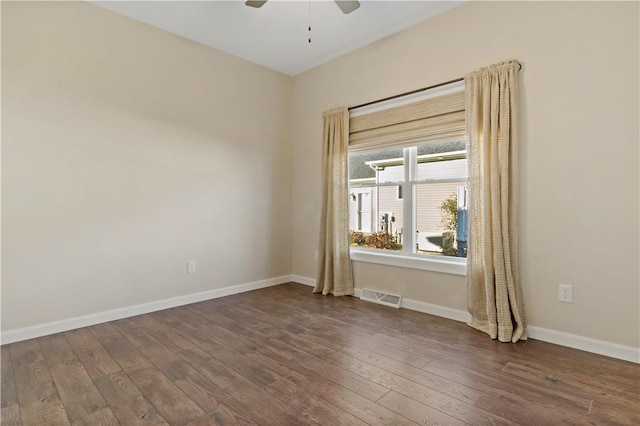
pixel 437 310
pixel 601 347
pixel 303 280
pixel 40 330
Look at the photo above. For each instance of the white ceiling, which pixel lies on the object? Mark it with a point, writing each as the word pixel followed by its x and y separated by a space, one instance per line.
pixel 276 35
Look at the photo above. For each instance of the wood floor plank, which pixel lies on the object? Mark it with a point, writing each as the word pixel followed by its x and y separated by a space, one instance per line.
pixel 204 421
pixel 77 391
pixel 105 333
pixel 37 394
pixel 246 336
pixel 338 311
pixel 93 356
pixel 451 398
pixel 384 320
pixel 362 408
pixel 218 404
pixel 207 395
pixel 10 415
pixel 368 343
pixel 35 384
pixel 325 326
pixel 519 411
pixel 159 355
pixel 422 377
pixel 502 383
pixel 173 404
pixel 435 350
pixel 25 353
pixel 270 409
pixel 497 382
pixel 514 401
pixel 8 395
pixel 225 331
pixel 466 411
pixel 308 315
pixel 123 352
pixel 371 344
pixel 187 316
pixel 170 320
pixel 575 359
pixel 454 408
pixel 570 382
pixel 604 413
pixel 416 411
pixel 390 320
pixel 620 402
pixel 300 360
pixel 284 356
pixel 544 380
pixel 264 319
pixel 102 417
pixel 311 406
pixel 173 341
pixel 206 341
pixel 247 319
pixel 236 360
pixel 47 412
pixel 126 401
pixel 349 401
pixel 358 384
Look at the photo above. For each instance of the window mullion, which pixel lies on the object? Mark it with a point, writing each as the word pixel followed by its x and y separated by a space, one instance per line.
pixel 408 218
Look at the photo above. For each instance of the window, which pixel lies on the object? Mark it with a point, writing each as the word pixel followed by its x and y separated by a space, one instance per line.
pixel 408 184
pixel 434 211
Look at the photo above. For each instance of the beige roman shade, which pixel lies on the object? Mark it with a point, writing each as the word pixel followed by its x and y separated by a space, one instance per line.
pixel 441 117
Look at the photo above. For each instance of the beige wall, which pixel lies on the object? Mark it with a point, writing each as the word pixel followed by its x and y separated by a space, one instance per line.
pixel 579 140
pixel 127 151
pixel 123 145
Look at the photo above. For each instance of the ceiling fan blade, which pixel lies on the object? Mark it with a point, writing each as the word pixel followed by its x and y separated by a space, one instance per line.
pixel 347 6
pixel 255 3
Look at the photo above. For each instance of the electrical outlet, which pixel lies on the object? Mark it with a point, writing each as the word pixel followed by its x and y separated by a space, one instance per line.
pixel 565 293
pixel 191 266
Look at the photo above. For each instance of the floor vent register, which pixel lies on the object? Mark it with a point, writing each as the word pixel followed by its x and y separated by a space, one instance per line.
pixel 382 298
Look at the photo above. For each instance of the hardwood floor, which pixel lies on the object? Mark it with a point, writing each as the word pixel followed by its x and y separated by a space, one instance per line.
pixel 283 356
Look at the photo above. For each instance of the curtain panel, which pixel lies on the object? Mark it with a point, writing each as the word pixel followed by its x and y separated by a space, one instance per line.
pixel 334 265
pixel 494 293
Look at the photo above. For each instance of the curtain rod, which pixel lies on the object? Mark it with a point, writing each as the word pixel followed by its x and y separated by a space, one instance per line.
pixel 409 93
pixel 406 93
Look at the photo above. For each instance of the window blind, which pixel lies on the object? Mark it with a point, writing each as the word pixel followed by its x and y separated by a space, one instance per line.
pixel 435 118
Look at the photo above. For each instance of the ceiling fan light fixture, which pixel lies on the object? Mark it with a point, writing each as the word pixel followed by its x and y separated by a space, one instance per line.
pixel 255 3
pixel 347 6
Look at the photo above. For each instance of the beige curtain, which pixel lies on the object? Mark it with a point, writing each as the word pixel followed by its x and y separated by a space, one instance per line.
pixel 494 293
pixel 334 265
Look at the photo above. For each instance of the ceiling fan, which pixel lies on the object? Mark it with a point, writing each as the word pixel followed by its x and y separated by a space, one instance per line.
pixel 347 6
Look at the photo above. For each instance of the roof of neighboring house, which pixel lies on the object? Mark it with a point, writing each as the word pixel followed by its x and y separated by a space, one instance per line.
pixel 358 169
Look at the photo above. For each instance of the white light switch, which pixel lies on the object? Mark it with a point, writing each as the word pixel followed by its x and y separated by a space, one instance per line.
pixel 191 266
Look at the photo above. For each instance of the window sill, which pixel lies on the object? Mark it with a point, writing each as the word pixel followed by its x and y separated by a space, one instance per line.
pixel 456 266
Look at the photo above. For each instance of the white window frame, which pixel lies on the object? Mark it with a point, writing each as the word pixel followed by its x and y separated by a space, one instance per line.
pixel 444 264
pixel 407 258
